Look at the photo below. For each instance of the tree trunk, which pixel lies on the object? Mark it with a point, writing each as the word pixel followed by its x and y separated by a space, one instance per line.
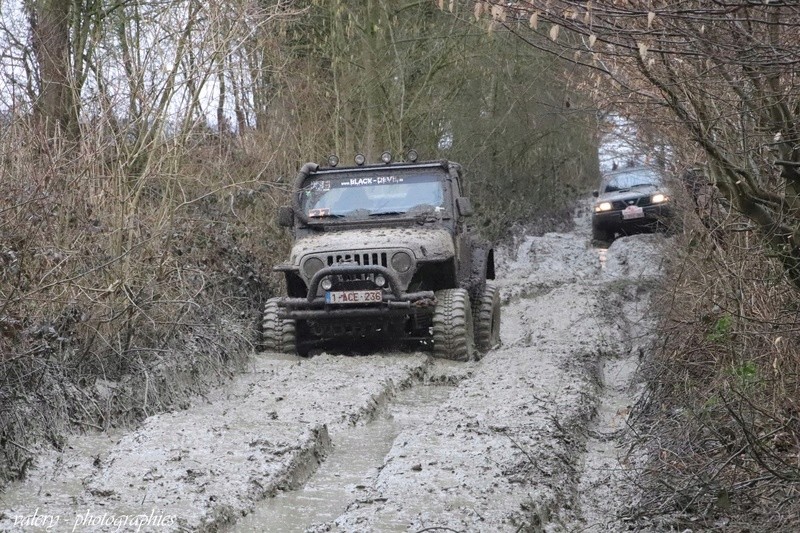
pixel 55 109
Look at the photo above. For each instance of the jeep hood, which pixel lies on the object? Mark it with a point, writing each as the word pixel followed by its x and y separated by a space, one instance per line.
pixel 427 244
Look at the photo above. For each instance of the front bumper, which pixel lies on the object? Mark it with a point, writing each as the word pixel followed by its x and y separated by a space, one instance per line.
pixel 395 302
pixel 612 220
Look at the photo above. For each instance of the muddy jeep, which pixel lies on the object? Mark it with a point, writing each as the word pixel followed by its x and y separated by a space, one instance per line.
pixel 383 251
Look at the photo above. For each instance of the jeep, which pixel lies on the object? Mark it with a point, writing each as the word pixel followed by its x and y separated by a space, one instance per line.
pixel 384 251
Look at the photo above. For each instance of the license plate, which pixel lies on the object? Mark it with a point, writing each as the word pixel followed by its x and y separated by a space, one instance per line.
pixel 632 211
pixel 353 297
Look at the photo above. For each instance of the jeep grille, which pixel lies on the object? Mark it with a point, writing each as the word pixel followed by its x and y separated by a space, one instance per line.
pixel 363 259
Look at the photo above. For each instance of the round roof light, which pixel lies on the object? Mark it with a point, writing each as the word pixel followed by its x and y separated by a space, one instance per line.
pixel 412 156
pixel 360 159
pixel 386 157
pixel 333 160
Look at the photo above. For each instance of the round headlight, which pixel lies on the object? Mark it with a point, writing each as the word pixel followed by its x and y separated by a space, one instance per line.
pixel 401 262
pixel 605 206
pixel 380 281
pixel 360 159
pixel 412 156
pixel 386 157
pixel 333 160
pixel 658 198
pixel 312 266
pixel 326 284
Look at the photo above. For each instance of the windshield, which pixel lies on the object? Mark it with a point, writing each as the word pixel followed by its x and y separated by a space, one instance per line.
pixel 628 179
pixel 357 195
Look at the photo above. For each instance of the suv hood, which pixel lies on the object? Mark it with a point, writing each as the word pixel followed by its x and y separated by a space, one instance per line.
pixel 427 244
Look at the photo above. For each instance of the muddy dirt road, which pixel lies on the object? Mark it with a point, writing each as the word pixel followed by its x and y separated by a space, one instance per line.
pixel 527 439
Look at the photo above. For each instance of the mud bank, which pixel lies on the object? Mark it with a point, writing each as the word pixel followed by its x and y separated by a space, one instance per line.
pixel 527 439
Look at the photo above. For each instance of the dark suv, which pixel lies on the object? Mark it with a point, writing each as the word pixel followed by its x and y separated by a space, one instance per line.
pixel 630 200
pixel 384 251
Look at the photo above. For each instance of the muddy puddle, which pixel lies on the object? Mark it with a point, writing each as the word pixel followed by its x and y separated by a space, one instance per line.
pixel 358 454
pixel 62 478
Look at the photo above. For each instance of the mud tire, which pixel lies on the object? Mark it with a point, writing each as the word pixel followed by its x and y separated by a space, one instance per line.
pixel 277 334
pixel 453 332
pixel 486 314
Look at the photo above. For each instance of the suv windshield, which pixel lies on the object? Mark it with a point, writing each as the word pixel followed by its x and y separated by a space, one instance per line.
pixel 358 195
pixel 628 179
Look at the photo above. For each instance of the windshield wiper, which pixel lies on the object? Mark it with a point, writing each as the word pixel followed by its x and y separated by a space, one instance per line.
pixel 329 215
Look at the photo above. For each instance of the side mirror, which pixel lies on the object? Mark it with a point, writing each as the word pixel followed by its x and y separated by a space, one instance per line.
pixel 285 216
pixel 595 193
pixel 464 207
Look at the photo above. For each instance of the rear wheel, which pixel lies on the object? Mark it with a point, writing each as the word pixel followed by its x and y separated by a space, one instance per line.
pixel 277 334
pixel 453 335
pixel 486 313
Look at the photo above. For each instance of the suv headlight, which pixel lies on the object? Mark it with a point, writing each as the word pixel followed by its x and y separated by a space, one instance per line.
pixel 603 206
pixel 658 198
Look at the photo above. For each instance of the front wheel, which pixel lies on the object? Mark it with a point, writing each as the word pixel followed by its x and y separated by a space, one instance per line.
pixel 277 334
pixel 453 335
pixel 486 313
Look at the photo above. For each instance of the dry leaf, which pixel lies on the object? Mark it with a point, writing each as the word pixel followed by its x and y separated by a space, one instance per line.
pixel 478 10
pixel 440 3
pixel 534 22
pixel 554 32
pixel 592 40
pixel 650 17
pixel 452 5
pixel 643 51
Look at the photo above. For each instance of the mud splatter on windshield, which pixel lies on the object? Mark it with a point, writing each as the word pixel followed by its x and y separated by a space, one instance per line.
pixel 352 195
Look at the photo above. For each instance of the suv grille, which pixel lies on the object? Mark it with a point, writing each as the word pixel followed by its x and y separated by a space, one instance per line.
pixel 642 201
